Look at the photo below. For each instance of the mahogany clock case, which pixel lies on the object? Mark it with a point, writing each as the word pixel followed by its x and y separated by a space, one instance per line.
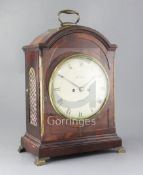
pixel 43 55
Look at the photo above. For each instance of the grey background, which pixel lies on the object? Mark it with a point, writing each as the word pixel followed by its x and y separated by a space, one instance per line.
pixel 121 22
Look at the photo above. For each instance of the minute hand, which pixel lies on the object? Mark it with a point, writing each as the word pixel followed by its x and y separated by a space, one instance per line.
pixel 68 81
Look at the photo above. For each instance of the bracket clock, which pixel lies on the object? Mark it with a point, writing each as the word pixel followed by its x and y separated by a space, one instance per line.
pixel 69 93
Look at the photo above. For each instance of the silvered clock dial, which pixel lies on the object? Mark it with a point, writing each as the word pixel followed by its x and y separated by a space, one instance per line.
pixel 78 87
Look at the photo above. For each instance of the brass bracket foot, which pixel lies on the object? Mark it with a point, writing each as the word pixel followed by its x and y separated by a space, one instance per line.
pixel 21 149
pixel 42 161
pixel 120 149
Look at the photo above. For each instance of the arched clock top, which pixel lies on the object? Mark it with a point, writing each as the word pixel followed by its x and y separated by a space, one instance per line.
pixel 48 39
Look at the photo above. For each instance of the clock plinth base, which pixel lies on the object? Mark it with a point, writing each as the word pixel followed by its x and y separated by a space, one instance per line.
pixel 62 148
pixel 21 149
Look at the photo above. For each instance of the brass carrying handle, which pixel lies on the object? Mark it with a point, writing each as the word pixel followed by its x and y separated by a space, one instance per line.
pixel 68 12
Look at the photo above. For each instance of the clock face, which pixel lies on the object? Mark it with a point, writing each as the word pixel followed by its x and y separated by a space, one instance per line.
pixel 78 87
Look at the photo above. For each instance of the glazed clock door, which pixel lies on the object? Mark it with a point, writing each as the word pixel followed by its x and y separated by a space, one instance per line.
pixel 78 86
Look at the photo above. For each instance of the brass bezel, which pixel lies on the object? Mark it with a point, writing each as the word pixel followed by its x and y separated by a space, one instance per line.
pixel 51 83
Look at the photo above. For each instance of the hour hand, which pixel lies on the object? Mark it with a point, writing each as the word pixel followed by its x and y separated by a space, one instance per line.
pixel 86 84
